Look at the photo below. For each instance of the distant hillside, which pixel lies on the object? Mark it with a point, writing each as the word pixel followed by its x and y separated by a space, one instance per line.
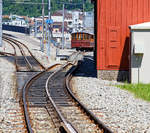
pixel 34 10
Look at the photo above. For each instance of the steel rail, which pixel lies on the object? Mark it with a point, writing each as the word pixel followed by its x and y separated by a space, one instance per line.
pixel 22 52
pixel 11 45
pixel 88 112
pixel 66 125
pixel 14 52
pixel 28 51
pixel 6 53
pixel 31 54
pixel 24 94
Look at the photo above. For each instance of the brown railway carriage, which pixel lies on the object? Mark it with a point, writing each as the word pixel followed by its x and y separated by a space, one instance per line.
pixel 82 41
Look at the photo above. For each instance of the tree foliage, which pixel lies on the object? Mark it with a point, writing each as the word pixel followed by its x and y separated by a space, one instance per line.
pixel 20 7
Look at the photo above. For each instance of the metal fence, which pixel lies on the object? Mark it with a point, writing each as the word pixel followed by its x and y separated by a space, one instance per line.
pixel 20 29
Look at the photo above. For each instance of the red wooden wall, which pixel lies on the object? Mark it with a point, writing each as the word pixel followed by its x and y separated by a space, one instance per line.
pixel 113 19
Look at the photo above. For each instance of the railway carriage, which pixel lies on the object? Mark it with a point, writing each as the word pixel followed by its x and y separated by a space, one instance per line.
pixel 82 41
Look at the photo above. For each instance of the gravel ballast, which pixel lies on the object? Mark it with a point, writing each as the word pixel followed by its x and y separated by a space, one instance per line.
pixel 117 108
pixel 9 98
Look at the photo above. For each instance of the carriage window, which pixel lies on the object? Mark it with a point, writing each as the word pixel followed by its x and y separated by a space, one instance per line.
pixel 85 36
pixel 89 37
pixel 72 36
pixel 76 38
pixel 81 36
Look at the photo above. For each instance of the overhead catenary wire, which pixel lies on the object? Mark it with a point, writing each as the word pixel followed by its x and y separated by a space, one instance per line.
pixel 28 2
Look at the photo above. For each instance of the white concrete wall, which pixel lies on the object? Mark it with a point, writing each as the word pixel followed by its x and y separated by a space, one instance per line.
pixel 140 63
pixel 77 23
pixel 18 23
pixel 89 19
pixel 57 18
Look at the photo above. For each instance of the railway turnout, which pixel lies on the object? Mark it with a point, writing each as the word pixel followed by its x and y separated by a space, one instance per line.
pixel 47 102
pixel 49 94
pixel 24 59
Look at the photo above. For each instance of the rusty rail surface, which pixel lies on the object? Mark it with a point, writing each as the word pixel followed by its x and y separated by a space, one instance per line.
pixel 14 49
pixel 24 96
pixel 6 53
pixel 88 112
pixel 67 125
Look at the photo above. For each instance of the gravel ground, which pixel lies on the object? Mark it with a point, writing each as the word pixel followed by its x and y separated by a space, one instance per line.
pixel 8 95
pixel 9 100
pixel 117 108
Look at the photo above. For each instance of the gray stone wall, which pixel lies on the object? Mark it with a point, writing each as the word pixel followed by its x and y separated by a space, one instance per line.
pixel 113 75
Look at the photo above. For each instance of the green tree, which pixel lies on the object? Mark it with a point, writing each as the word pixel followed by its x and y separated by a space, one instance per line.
pixel 34 10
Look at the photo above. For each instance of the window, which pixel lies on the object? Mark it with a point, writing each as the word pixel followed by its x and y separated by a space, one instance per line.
pixel 72 36
pixel 70 23
pixel 89 37
pixel 76 36
pixel 85 36
pixel 81 36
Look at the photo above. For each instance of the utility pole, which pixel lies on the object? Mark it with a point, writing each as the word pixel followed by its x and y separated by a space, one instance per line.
pixel 63 26
pixel 83 14
pixel 0 23
pixel 35 28
pixel 49 28
pixel 63 42
pixel 83 5
pixel 42 46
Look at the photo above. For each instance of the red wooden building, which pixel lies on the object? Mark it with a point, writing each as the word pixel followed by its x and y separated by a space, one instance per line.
pixel 112 18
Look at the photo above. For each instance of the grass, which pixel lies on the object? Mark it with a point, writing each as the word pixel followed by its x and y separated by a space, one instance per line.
pixel 140 90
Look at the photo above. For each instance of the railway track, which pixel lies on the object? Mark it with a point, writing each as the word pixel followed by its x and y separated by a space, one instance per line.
pixel 24 59
pixel 24 62
pixel 50 106
pixel 38 118
pixel 6 53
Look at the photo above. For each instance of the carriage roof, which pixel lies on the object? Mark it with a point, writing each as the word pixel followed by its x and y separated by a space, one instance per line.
pixel 85 32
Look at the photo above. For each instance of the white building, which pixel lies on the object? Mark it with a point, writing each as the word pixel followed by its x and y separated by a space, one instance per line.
pixel 57 18
pixel 88 20
pixel 57 33
pixel 16 21
pixel 77 21
pixel 73 21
